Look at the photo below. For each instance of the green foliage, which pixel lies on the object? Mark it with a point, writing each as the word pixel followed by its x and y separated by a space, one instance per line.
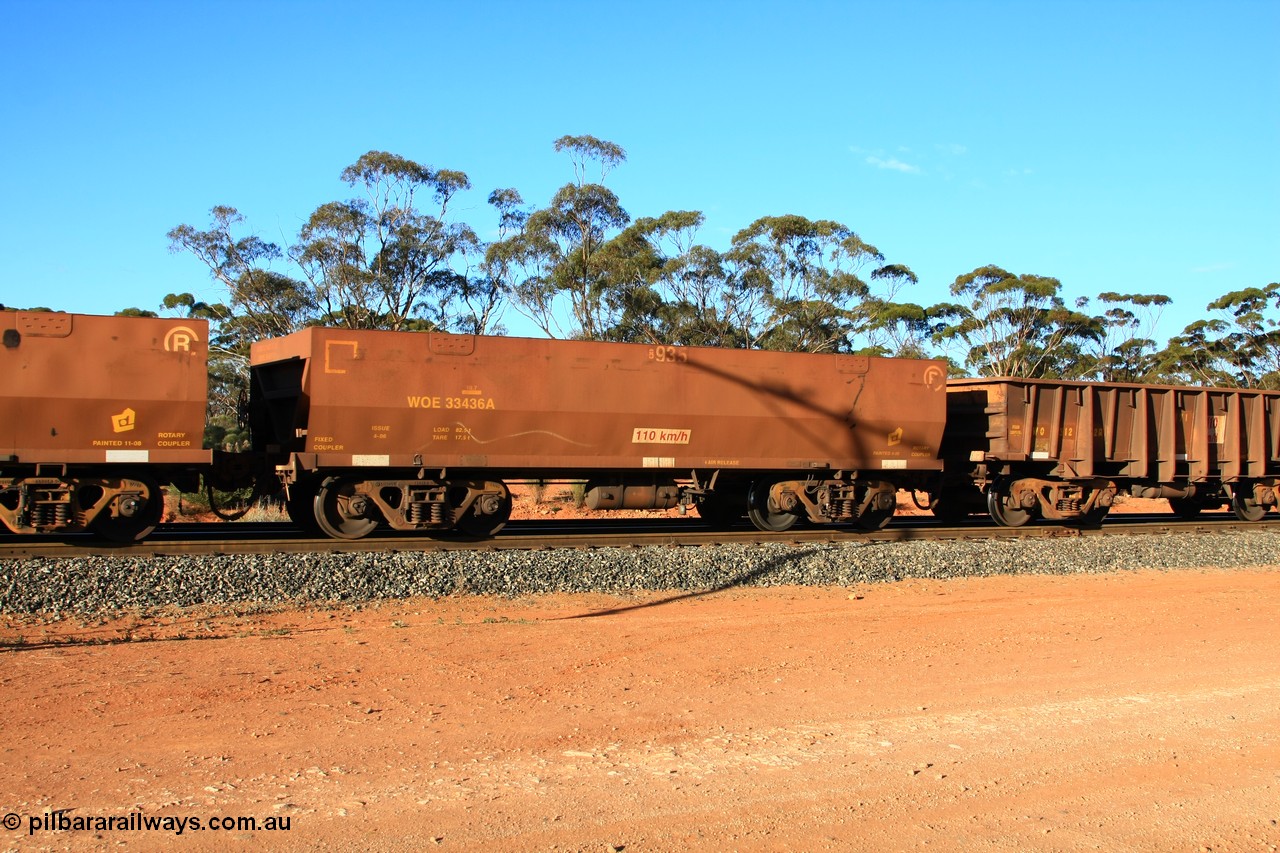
pixel 261 303
pixel 666 289
pixel 394 257
pixel 223 432
pixel 197 502
pixel 584 149
pixel 800 287
pixel 379 262
pixel 1239 347
pixel 1125 349
pixel 551 261
pixel 1250 349
pixel 1013 325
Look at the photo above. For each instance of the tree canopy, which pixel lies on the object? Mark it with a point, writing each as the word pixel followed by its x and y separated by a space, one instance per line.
pixel 396 256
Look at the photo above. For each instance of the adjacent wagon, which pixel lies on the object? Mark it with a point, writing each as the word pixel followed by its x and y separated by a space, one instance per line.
pixel 96 413
pixel 1028 448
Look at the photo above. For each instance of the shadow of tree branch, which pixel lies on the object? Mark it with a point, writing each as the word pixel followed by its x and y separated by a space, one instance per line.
pixel 740 580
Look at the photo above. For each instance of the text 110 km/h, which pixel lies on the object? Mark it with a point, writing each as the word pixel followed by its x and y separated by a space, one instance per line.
pixel 658 435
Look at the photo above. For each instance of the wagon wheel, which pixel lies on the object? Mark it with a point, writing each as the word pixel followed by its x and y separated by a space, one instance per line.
pixel 1187 508
pixel 1005 515
pixel 136 516
pixel 341 512
pixel 486 524
pixel 722 509
pixel 764 514
pixel 1246 509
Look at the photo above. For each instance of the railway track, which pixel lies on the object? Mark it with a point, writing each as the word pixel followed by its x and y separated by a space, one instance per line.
pixel 243 538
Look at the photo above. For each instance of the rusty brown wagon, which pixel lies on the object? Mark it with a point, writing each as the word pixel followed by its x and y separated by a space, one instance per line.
pixel 96 413
pixel 425 431
pixel 1031 448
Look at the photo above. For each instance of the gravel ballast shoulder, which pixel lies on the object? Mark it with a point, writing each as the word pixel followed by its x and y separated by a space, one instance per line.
pixel 96 585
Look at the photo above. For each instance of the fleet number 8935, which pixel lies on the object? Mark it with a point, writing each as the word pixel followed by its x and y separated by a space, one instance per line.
pixel 668 355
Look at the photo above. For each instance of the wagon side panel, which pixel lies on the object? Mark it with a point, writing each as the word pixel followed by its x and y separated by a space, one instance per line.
pixel 82 389
pixel 521 404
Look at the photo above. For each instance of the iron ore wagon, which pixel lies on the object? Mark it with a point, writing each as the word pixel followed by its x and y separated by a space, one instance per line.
pixel 96 413
pixel 1038 448
pixel 424 431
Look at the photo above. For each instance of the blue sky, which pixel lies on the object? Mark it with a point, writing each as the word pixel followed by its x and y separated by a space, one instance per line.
pixel 1127 146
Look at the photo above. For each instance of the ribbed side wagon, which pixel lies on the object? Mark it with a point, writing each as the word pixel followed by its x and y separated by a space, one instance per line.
pixel 1027 448
pixel 96 413
pixel 425 431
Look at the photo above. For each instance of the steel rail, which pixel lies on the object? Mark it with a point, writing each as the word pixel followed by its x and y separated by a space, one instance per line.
pixel 223 539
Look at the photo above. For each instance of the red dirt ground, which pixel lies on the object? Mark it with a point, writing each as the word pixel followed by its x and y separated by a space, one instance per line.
pixel 1131 711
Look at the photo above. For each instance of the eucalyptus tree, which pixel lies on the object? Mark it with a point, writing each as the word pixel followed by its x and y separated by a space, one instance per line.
pixel 664 287
pixel 1125 348
pixel 883 325
pixel 261 303
pixel 900 329
pixel 1196 357
pixel 378 261
pixel 1253 338
pixel 1240 346
pixel 1013 325
pixel 555 262
pixel 390 258
pixel 701 305
pixel 230 336
pixel 486 293
pixel 799 284
pixel 264 302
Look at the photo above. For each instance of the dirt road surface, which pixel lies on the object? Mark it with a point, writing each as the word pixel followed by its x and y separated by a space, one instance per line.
pixel 1134 711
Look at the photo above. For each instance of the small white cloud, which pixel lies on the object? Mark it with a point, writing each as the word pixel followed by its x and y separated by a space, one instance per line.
pixel 893 164
pixel 952 148
pixel 1221 266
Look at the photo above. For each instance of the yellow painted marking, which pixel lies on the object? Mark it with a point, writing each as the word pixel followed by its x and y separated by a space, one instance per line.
pixel 180 339
pixel 328 349
pixel 659 435
pixel 124 421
